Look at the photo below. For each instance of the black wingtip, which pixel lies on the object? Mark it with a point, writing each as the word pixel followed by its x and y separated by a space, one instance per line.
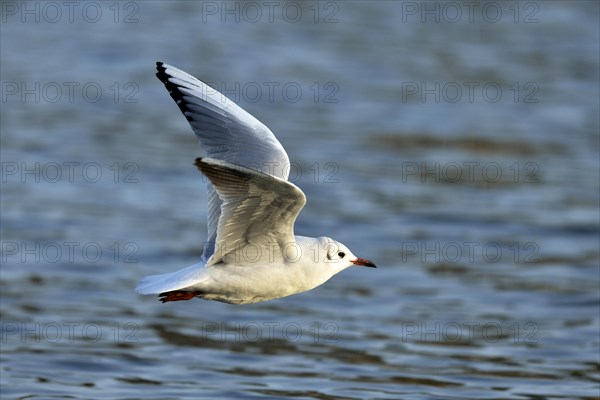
pixel 161 72
pixel 173 89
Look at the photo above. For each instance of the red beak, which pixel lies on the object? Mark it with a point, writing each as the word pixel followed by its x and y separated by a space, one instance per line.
pixel 363 262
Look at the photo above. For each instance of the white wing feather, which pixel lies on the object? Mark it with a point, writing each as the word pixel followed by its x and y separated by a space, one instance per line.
pixel 257 209
pixel 226 132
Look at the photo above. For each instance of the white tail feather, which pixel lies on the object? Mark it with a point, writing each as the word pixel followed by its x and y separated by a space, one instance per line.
pixel 156 284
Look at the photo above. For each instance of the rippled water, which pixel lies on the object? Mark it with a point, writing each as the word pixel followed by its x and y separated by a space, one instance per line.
pixel 460 155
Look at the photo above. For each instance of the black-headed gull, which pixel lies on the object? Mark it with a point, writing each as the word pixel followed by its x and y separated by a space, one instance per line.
pixel 252 253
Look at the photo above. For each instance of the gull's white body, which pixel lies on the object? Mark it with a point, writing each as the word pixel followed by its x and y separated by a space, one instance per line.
pixel 251 282
pixel 252 254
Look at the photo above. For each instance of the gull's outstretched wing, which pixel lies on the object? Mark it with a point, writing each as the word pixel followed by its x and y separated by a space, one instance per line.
pixel 226 132
pixel 258 209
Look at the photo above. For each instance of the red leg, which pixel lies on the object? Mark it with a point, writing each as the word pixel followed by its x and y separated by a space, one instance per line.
pixel 177 295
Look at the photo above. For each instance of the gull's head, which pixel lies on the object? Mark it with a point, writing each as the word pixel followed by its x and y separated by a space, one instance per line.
pixel 339 257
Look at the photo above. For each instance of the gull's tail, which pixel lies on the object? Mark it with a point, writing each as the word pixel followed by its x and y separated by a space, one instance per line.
pixel 156 284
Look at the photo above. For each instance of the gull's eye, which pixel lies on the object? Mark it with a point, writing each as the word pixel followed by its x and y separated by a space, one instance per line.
pixel 341 254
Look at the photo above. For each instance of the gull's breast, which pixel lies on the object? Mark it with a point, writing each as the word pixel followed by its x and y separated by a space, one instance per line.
pixel 253 283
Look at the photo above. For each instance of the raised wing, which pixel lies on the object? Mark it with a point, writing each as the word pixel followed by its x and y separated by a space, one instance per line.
pixel 258 209
pixel 226 132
